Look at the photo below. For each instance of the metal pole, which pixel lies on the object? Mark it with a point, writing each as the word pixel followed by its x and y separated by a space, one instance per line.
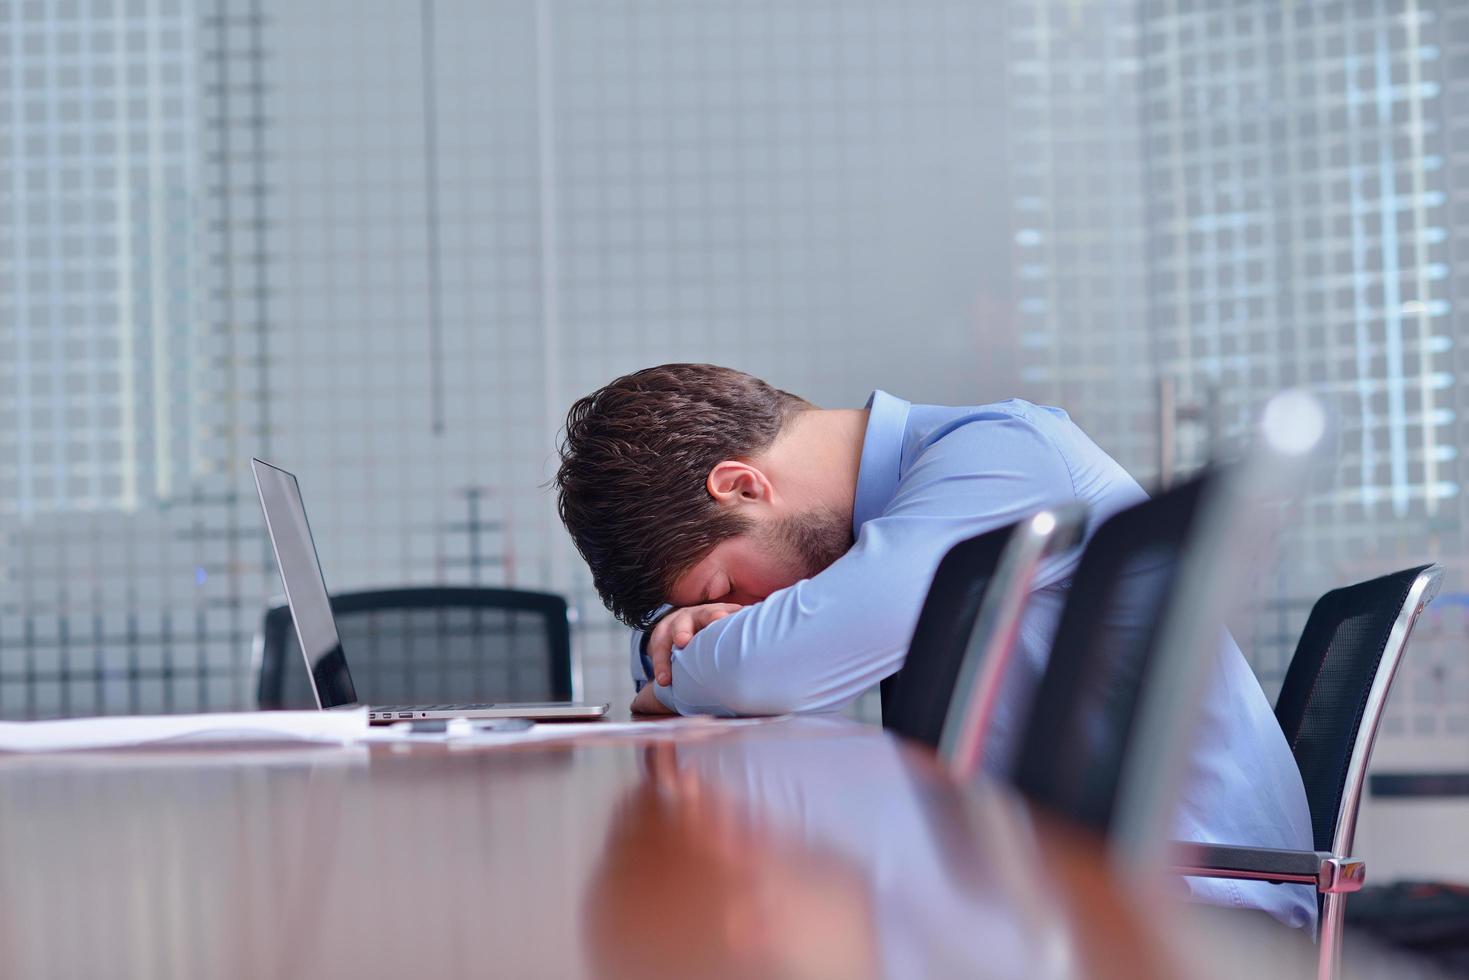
pixel 1167 420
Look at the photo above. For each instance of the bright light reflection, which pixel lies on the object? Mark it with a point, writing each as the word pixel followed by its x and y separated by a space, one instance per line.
pixel 1294 422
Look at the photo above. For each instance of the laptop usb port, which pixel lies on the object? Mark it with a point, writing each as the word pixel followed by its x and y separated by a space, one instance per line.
pixel 405 714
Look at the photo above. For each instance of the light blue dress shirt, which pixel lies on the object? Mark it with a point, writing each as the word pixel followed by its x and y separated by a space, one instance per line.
pixel 930 477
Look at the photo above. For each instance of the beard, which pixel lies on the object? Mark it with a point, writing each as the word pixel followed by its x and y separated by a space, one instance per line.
pixel 811 541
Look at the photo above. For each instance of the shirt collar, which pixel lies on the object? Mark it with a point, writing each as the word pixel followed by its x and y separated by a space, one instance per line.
pixel 882 457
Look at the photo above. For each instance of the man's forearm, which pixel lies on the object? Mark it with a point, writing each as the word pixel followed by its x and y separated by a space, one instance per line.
pixel 801 649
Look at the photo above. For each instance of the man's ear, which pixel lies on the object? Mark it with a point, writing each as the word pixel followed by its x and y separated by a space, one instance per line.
pixel 735 484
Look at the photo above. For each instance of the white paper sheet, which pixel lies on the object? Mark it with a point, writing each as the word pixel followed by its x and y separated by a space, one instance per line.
pixel 128 730
pixel 194 755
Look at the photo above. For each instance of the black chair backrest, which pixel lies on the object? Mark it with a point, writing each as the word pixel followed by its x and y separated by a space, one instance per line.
pixel 430 646
pixel 916 698
pixel 1076 736
pixel 1324 695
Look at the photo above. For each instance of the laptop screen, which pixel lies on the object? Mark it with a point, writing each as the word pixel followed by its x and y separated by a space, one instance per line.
pixel 295 553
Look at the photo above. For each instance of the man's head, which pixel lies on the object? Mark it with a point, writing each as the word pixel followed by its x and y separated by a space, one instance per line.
pixel 665 487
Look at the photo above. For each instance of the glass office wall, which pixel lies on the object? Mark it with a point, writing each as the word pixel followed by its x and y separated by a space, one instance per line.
pixel 386 242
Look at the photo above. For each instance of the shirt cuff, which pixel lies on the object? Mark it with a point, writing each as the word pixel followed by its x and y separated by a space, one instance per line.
pixel 640 663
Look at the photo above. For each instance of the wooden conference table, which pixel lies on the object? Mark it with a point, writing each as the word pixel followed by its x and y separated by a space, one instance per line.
pixel 794 848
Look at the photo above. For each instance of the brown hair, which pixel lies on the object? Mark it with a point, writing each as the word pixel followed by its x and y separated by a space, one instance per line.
pixel 635 459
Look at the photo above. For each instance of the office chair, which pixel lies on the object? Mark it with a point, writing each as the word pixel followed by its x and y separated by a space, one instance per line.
pixel 966 631
pixel 1151 589
pixel 915 698
pixel 436 644
pixel 1329 707
pixel 1078 732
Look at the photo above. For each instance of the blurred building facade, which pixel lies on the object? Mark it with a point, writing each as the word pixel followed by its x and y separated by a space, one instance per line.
pixel 1077 197
pixel 1291 223
pixel 99 295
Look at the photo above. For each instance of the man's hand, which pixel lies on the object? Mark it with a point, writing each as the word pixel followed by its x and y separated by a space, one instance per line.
pixel 647 703
pixel 676 629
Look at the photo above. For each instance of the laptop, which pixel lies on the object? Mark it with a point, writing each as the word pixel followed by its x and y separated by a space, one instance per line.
pixel 316 627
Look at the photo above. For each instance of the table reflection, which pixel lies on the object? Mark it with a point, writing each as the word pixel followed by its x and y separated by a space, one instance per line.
pixel 702 885
pixel 806 848
pixel 888 862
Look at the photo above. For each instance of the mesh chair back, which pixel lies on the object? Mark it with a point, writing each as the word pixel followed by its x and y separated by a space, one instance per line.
pixel 430 646
pixel 1076 736
pixel 916 698
pixel 1324 697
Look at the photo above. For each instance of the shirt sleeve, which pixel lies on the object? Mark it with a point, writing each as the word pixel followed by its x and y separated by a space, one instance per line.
pixel 641 663
pixel 820 643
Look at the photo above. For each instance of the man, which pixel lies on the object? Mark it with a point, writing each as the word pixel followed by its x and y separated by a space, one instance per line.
pixel 793 547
